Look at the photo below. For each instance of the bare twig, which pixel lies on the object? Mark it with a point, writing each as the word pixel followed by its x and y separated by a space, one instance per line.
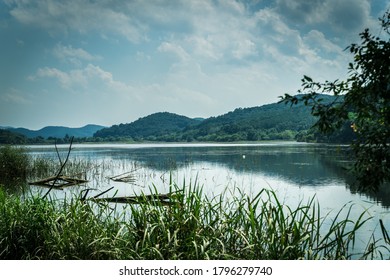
pixel 100 194
pixel 58 154
pixel 384 232
pixel 61 168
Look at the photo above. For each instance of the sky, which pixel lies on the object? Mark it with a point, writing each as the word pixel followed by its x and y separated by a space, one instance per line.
pixel 106 62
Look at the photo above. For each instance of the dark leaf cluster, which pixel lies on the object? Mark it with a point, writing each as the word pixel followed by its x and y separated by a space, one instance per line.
pixel 362 102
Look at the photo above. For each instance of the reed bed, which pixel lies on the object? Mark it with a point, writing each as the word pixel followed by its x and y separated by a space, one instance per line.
pixel 17 167
pixel 192 227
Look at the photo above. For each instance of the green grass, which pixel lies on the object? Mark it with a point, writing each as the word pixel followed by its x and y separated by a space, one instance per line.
pixel 14 166
pixel 193 227
pixel 17 168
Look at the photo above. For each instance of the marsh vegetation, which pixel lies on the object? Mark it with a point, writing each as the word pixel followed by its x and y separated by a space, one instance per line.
pixel 233 224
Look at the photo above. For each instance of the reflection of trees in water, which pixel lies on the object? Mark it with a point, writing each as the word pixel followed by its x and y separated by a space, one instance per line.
pixel 298 165
pixel 341 167
pixel 302 165
pixel 382 195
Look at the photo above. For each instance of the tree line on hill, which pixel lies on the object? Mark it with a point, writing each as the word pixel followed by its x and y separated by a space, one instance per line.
pixel 15 138
pixel 268 122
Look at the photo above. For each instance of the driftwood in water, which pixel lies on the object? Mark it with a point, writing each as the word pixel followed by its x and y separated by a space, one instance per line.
pixel 164 199
pixel 58 182
pixel 127 177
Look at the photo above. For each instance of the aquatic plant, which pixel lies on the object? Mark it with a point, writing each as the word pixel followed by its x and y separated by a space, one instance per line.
pixel 191 227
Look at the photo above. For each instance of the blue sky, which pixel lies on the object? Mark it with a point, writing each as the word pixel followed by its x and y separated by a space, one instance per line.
pixel 110 61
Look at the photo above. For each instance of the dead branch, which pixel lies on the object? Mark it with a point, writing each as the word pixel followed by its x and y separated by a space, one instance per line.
pixel 61 168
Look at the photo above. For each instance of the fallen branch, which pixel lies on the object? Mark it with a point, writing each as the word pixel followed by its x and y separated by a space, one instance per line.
pixel 126 177
pixel 58 182
pixel 61 168
pixel 164 199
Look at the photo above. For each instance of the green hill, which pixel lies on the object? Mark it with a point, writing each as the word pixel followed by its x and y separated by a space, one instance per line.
pixel 58 131
pixel 267 122
pixel 152 127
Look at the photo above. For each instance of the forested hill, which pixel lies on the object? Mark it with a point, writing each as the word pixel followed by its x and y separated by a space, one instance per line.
pixel 276 121
pixel 268 122
pixel 58 131
pixel 152 127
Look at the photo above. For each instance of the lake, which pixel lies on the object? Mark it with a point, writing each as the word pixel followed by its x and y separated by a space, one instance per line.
pixel 295 171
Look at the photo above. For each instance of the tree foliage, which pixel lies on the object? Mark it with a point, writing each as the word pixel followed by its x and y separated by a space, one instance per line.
pixel 9 137
pixel 362 101
pixel 154 125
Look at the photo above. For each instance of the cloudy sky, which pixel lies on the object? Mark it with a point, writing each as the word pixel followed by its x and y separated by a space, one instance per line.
pixel 111 61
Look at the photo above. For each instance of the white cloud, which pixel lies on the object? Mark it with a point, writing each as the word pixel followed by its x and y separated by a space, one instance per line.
pixel 65 79
pixel 224 31
pixel 73 55
pixel 239 59
pixel 174 49
pixel 310 53
pixel 90 78
pixel 342 18
pixel 218 36
pixel 203 47
pixel 220 30
pixel 142 56
pixel 318 41
pixel 79 16
pixel 15 96
pixel 244 48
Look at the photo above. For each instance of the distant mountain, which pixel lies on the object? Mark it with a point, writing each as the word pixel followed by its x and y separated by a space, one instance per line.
pixel 58 131
pixel 267 122
pixel 150 127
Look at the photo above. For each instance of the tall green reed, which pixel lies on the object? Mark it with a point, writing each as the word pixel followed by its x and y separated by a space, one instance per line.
pixel 192 226
pixel 14 166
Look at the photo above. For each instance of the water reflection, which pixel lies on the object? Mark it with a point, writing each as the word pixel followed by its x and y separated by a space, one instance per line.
pixel 302 165
pixel 298 164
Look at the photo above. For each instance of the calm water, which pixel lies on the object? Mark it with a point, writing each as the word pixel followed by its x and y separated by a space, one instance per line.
pixel 296 172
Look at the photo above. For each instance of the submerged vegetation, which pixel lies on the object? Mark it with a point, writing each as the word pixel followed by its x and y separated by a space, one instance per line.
pixel 191 226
